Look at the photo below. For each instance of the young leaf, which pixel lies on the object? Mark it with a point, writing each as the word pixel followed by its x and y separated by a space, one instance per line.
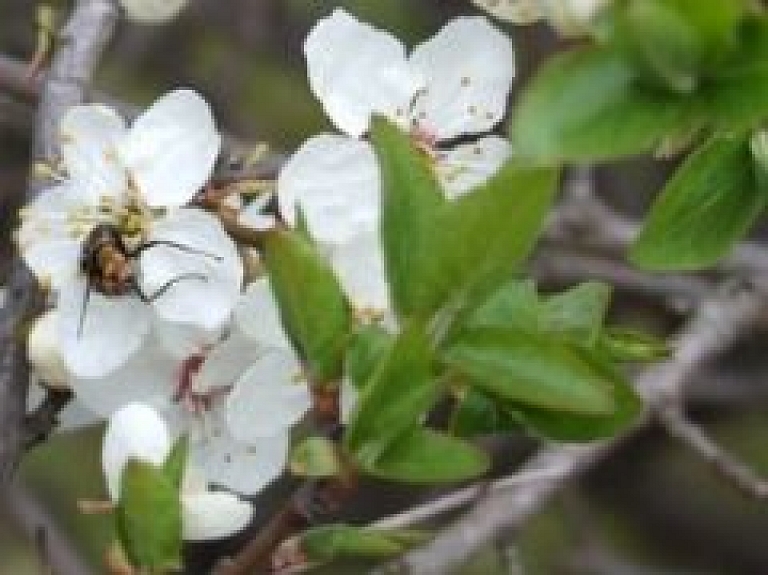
pixel 425 456
pixel 587 105
pixel 479 414
pixel 708 205
pixel 531 369
pixel 329 542
pixel 399 392
pixel 313 308
pixel 621 344
pixel 368 345
pixel 176 463
pixel 315 457
pixel 569 426
pixel 577 313
pixel 149 518
pixel 515 305
pixel 410 197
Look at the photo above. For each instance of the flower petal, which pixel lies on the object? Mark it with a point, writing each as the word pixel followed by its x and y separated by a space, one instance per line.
pixel 517 11
pixel 359 265
pixel 197 281
pixel 88 136
pixel 225 363
pixel 468 165
pixel 183 340
pixel 135 431
pixel 213 515
pixel 267 399
pixel 152 11
pixel 244 468
pixel 171 148
pixel 258 318
pixel 469 66
pixel 56 262
pixel 44 352
pixel 355 70
pixel 113 329
pixel 335 182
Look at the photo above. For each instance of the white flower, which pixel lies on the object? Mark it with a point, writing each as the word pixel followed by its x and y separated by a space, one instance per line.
pixel 455 84
pixel 44 353
pixel 569 17
pixel 137 431
pixel 236 397
pixel 152 11
pixel 134 182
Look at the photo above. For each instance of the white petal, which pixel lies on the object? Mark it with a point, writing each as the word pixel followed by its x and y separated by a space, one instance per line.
pixel 469 66
pixel 225 363
pixel 198 283
pixel 468 165
pixel 149 377
pixel 258 318
pixel 359 265
pixel 268 398
pixel 213 515
pixel 152 11
pixel 73 417
pixel 44 352
pixel 183 340
pixel 136 431
pixel 244 468
pixel 335 182
pixel 171 148
pixel 88 136
pixel 113 328
pixel 517 11
pixel 56 261
pixel 355 70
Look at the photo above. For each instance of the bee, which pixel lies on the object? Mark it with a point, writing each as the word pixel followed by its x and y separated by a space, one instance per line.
pixel 109 266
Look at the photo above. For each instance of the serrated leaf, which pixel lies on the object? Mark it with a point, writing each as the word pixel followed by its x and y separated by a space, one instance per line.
pixel 569 426
pixel 368 345
pixel 176 463
pixel 315 457
pixel 398 393
pixel 427 456
pixel 313 308
pixel 149 517
pixel 329 542
pixel 410 197
pixel 531 369
pixel 709 204
pixel 587 105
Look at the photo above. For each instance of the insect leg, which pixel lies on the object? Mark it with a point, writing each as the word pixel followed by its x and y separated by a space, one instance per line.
pixel 169 284
pixel 86 298
pixel 181 247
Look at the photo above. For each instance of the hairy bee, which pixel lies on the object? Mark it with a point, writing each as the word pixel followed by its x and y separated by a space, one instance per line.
pixel 109 266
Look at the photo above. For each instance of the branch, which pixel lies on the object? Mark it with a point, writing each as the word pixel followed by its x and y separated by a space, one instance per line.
pixel 82 42
pixel 716 326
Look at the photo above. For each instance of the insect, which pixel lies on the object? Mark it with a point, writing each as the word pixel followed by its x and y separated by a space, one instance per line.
pixel 109 266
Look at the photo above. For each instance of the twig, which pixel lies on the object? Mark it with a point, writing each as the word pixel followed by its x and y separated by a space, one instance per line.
pixel 717 324
pixel 83 40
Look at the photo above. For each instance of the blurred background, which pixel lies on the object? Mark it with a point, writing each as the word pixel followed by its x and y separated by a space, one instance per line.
pixel 653 509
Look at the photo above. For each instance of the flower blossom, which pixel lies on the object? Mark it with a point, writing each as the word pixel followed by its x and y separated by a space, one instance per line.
pixel 569 17
pixel 136 182
pixel 236 396
pixel 137 431
pixel 454 84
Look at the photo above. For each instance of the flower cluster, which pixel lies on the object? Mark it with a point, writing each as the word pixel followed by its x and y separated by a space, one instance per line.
pixel 152 324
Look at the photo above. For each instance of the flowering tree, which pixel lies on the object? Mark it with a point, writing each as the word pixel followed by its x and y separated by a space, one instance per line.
pixel 368 313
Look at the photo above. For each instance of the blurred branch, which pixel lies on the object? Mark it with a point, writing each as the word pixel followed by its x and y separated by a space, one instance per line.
pixel 83 39
pixel 717 324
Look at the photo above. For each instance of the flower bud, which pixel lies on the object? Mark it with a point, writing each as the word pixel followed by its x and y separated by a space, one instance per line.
pixel 43 352
pixel 152 11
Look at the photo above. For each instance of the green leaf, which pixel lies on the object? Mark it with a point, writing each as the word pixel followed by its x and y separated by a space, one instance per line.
pixel 398 393
pixel 368 345
pixel 329 542
pixel 313 308
pixel 709 204
pixel 587 105
pixel 622 344
pixel 315 457
pixel 175 464
pixel 577 313
pixel 569 426
pixel 426 456
pixel 515 305
pixel 479 414
pixel 484 236
pixel 531 369
pixel 410 197
pixel 149 517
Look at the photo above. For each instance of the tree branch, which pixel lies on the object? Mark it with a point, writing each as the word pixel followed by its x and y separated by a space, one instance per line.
pixel 82 42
